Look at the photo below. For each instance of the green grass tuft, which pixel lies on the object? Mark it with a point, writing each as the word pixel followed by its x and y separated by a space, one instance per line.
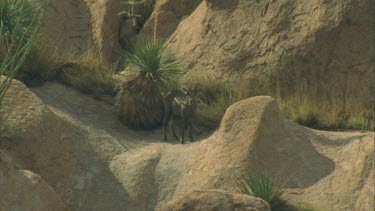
pixel 263 187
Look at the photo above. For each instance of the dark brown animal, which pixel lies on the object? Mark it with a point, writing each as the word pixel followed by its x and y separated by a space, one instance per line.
pixel 182 105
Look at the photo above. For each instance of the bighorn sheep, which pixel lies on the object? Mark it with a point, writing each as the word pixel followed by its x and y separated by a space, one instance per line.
pixel 180 104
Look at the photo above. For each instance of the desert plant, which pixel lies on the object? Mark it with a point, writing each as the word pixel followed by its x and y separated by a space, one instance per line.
pixel 16 16
pixel 153 70
pixel 139 11
pixel 20 21
pixel 263 187
pixel 215 96
pixel 42 64
pixel 89 73
pixel 145 10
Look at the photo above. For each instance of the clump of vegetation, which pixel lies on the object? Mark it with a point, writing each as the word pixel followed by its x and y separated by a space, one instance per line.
pixel 42 64
pixel 89 73
pixel 20 21
pixel 263 187
pixel 325 108
pixel 215 96
pixel 153 71
pixel 313 106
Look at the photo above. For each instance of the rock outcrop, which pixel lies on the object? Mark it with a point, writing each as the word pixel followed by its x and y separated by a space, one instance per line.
pixel 82 154
pixel 24 190
pixel 167 14
pixel 212 200
pixel 76 25
pixel 321 41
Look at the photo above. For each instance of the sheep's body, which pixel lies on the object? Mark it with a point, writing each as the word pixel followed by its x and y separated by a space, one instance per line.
pixel 180 104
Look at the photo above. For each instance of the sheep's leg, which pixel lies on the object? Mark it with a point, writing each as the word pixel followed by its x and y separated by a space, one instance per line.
pixel 164 132
pixel 173 131
pixel 191 131
pixel 165 123
pixel 183 131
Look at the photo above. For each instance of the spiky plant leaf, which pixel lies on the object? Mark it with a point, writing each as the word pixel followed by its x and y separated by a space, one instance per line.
pixel 154 70
pixel 264 188
pixel 20 21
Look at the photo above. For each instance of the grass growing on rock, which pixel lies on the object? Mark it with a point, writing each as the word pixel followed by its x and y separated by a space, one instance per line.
pixel 90 74
pixel 41 65
pixel 313 106
pixel 263 187
pixel 214 97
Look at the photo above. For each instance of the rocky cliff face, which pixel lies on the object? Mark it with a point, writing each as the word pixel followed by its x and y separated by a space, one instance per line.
pixel 322 42
pixel 319 41
pixel 76 25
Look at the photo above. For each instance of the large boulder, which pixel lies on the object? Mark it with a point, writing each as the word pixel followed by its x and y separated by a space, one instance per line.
pixel 324 170
pixel 25 190
pixel 80 151
pixel 212 200
pixel 167 14
pixel 65 154
pixel 76 25
pixel 262 40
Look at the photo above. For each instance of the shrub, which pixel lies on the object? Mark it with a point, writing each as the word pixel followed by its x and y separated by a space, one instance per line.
pixel 89 73
pixel 20 21
pixel 153 71
pixel 264 188
pixel 215 96
pixel 42 64
pixel 315 106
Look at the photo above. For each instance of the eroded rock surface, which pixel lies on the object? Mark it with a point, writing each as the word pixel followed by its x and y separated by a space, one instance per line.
pixel 25 190
pixel 212 200
pixel 78 147
pixel 321 41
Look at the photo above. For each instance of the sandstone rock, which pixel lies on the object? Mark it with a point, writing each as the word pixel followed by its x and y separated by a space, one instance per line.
pixel 68 156
pixel 78 148
pixel 168 13
pixel 211 200
pixel 80 24
pixel 25 190
pixel 321 41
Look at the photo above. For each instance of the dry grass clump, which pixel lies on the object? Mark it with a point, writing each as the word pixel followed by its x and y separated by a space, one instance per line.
pixel 42 64
pixel 315 106
pixel 89 73
pixel 323 107
pixel 214 97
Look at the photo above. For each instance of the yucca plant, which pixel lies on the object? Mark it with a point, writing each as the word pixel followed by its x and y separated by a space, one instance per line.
pixel 20 21
pixel 153 70
pixel 263 187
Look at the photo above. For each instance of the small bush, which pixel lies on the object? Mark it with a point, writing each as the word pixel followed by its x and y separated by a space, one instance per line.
pixel 264 188
pixel 42 64
pixel 313 106
pixel 153 71
pixel 20 21
pixel 90 74
pixel 215 96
